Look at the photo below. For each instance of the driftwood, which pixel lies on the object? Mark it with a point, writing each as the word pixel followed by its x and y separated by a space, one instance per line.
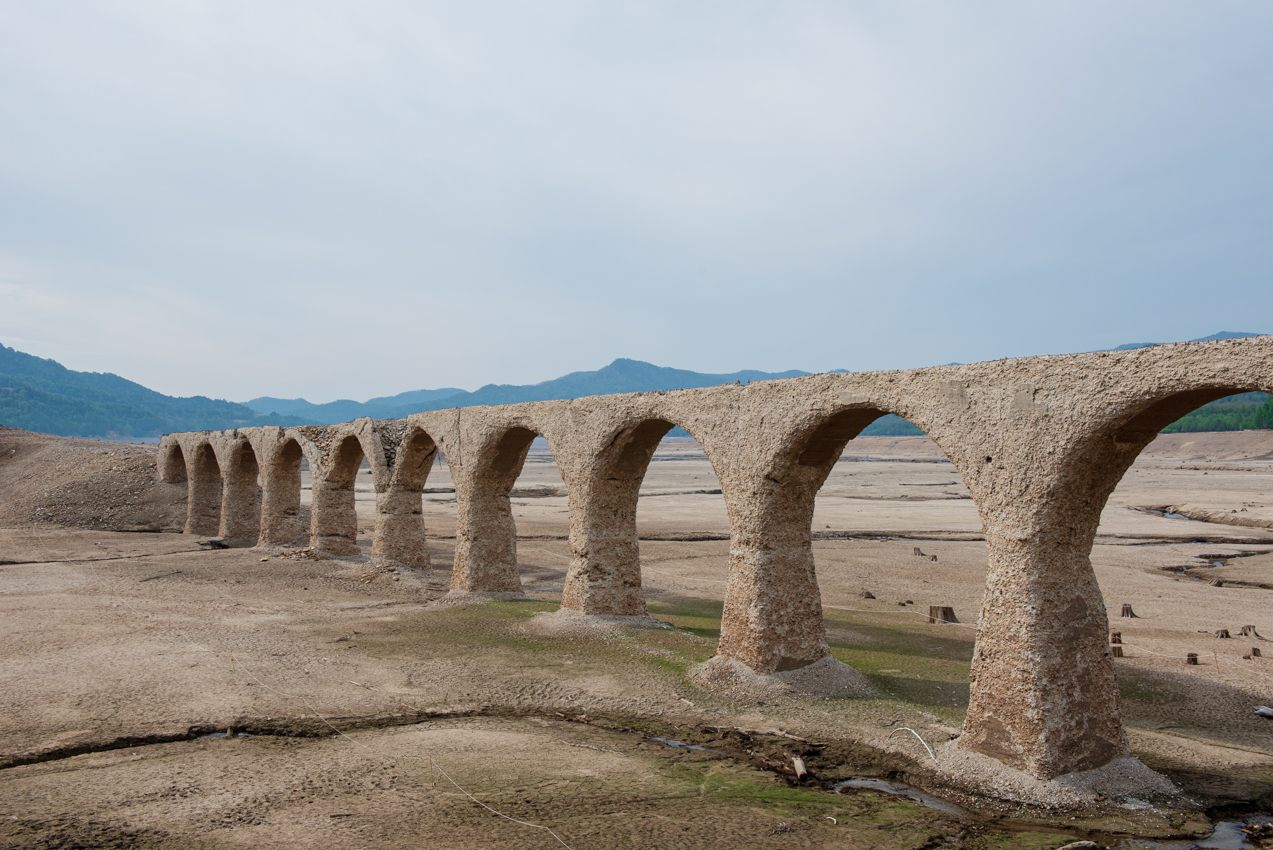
pixel 1128 612
pixel 941 614
pixel 1191 658
pixel 798 764
pixel 775 732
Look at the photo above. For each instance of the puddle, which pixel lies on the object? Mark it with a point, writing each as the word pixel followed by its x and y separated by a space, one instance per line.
pixel 1228 835
pixel 224 735
pixel 908 791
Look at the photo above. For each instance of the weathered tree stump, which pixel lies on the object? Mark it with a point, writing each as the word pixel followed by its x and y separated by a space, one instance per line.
pixel 1115 637
pixel 1191 658
pixel 920 552
pixel 1249 630
pixel 1116 650
pixel 932 558
pixel 941 614
pixel 1255 652
pixel 1128 612
pixel 1222 633
pixel 1217 583
pixel 866 594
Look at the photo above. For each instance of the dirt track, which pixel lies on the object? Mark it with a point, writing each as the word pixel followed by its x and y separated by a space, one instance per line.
pixel 114 636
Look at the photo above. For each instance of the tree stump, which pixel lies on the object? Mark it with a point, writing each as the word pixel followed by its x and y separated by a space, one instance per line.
pixel 1222 633
pixel 941 614
pixel 932 558
pixel 1115 637
pixel 1191 658
pixel 1217 583
pixel 1117 650
pixel 1116 644
pixel 866 594
pixel 1128 612
pixel 1255 652
pixel 920 552
pixel 1249 630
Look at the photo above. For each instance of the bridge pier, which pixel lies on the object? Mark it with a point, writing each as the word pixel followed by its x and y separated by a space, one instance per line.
pixel 281 522
pixel 772 620
pixel 485 540
pixel 203 499
pixel 241 497
pixel 399 529
pixel 1043 695
pixel 605 568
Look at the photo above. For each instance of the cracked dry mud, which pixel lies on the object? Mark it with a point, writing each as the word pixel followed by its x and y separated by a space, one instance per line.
pixel 122 648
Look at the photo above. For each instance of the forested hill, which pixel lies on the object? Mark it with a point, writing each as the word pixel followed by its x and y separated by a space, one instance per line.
pixel 43 395
pixel 1245 412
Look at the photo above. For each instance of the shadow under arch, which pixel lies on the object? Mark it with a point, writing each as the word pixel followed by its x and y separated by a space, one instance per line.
pixel 240 495
pixel 605 569
pixel 334 521
pixel 772 619
pixel 486 532
pixel 399 531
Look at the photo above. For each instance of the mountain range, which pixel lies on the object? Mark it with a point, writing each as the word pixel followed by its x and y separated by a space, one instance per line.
pixel 38 394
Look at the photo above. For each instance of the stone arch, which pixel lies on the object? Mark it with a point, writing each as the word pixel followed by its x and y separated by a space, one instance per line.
pixel 240 493
pixel 1064 630
pixel 772 619
pixel 334 522
pixel 605 569
pixel 400 529
pixel 203 499
pixel 172 461
pixel 486 533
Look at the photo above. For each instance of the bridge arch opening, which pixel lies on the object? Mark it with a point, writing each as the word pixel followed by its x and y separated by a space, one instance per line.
pixel 334 523
pixel 172 463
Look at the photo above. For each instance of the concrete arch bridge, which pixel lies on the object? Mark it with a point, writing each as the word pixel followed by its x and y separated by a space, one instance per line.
pixel 1041 443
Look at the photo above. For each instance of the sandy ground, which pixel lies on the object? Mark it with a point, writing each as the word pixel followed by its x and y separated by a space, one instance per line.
pixel 121 649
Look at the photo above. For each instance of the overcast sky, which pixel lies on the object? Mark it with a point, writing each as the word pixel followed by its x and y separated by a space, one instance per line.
pixel 356 199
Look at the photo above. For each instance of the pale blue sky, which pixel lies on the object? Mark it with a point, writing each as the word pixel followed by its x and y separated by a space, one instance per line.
pixel 357 199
